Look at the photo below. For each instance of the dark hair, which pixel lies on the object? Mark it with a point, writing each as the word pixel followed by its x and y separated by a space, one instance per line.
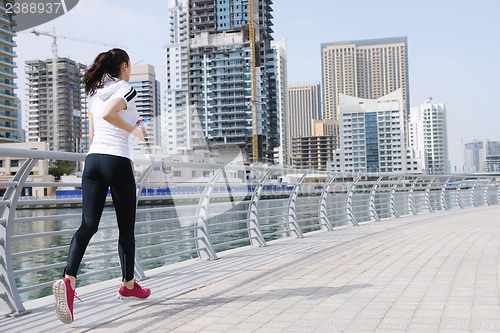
pixel 105 63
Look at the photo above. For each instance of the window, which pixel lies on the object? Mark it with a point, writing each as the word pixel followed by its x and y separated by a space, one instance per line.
pixel 177 173
pixel 14 163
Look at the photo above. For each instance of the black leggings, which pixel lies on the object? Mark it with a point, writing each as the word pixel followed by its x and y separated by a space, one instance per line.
pixel 100 173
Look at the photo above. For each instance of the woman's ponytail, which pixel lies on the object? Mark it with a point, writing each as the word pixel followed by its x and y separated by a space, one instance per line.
pixel 106 63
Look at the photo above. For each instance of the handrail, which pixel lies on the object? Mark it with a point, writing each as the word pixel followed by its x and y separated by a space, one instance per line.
pixel 240 205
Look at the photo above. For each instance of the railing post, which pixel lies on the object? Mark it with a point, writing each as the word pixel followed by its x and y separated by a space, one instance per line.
pixel 254 230
pixel 394 212
pixel 427 196
pixel 486 192
pixel 139 183
pixel 458 197
pixel 324 220
pixel 444 206
pixel 411 206
pixel 8 292
pixel 373 208
pixel 201 220
pixel 498 191
pixel 473 193
pixel 348 209
pixel 292 213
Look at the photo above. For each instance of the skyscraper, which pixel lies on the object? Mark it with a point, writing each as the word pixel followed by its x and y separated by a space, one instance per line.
pixel 218 106
pixel 9 123
pixel 304 107
pixel 367 69
pixel 429 136
pixel 176 121
pixel 312 139
pixel 143 79
pixel 41 101
pixel 482 156
pixel 372 135
pixel 283 154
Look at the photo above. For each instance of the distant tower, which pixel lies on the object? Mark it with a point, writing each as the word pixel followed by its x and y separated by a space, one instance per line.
pixel 70 103
pixel 283 156
pixel 176 119
pixel 429 136
pixel 304 107
pixel 8 106
pixel 475 154
pixel 143 79
pixel 366 69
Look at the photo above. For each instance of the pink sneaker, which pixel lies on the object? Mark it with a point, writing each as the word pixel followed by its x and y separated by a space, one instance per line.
pixel 138 292
pixel 64 298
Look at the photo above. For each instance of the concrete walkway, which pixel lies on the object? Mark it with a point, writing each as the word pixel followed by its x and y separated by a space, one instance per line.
pixel 436 272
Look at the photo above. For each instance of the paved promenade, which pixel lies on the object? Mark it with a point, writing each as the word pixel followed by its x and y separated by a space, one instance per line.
pixel 435 272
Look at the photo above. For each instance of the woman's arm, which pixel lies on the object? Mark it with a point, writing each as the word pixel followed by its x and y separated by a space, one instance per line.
pixel 91 126
pixel 110 114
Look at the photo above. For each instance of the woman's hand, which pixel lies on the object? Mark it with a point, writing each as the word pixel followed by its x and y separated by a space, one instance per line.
pixel 139 131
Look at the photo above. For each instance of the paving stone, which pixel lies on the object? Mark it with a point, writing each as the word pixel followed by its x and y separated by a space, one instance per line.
pixel 432 272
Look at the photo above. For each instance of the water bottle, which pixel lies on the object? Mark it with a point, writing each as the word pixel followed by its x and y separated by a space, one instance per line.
pixel 134 140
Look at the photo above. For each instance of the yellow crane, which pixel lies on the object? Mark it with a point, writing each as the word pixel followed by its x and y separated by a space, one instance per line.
pixel 55 103
pixel 253 74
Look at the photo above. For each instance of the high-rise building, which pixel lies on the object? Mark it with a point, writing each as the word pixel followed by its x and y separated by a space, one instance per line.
pixel 9 124
pixel 218 107
pixel 474 156
pixel 482 156
pixel 283 151
pixel 176 118
pixel 63 131
pixel 366 69
pixel 429 137
pixel 143 79
pixel 492 159
pixel 372 135
pixel 312 138
pixel 304 107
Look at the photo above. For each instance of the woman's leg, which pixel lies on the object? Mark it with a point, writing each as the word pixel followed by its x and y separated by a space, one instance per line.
pixel 94 191
pixel 123 191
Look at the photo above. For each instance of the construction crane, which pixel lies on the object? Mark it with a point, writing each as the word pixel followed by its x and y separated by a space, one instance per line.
pixel 253 74
pixel 55 99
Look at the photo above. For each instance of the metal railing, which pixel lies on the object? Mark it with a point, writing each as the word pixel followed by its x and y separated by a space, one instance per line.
pixel 235 206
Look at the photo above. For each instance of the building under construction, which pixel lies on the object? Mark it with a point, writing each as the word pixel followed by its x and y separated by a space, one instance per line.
pixel 63 128
pixel 228 107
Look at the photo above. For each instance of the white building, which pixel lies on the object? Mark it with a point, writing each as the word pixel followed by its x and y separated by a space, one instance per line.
pixel 482 156
pixel 428 136
pixel 175 120
pixel 372 136
pixel 284 149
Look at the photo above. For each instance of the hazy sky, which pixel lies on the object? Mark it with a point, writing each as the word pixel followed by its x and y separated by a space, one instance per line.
pixel 453 46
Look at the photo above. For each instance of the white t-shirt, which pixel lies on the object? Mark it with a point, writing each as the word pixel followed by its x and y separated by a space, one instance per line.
pixel 109 139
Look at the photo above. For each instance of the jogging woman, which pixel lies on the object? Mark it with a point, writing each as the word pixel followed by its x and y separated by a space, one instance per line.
pixel 113 118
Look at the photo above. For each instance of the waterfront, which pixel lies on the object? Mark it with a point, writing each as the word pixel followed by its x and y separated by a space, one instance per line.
pixel 165 233
pixel 205 225
pixel 154 238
